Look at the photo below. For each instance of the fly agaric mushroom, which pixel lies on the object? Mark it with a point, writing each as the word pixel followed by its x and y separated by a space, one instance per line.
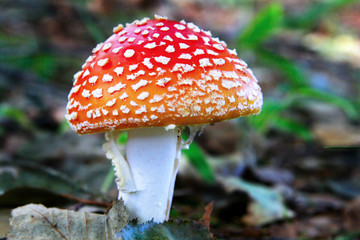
pixel 153 78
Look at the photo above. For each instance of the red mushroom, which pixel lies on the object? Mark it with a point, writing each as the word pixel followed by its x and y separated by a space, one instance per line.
pixel 153 78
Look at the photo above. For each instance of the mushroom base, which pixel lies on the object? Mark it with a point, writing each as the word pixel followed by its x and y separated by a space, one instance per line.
pixel 153 156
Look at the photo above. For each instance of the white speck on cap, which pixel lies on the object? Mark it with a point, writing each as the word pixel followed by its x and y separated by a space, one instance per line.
pixel 158 17
pixel 133 67
pixel 111 102
pixel 115 112
pixel 106 46
pixel 139 84
pixel 103 62
pixel 170 127
pixel 156 98
pixel 118 28
pixel 122 39
pixel 143 95
pixel 198 52
pixel 183 46
pixel 212 52
pixel 147 63
pixel 97 93
pixel 206 40
pixel 219 61
pixel 141 110
pixel 162 59
pixel 216 74
pixel 205 62
pixel 116 50
pixel 218 46
pixel 86 73
pixel 230 74
pixel 233 52
pixel 170 49
pixel 131 39
pixel 179 26
pixel 230 84
pixel 107 78
pixel 192 37
pixel 138 30
pixel 167 37
pixel 104 111
pixel 116 88
pixel 97 48
pixel 93 79
pixel 161 82
pixel 119 70
pixel 185 56
pixel 129 53
pixel 124 96
pixel 179 35
pixel 182 67
pixel 73 115
pixel 150 45
pixel 86 93
pixel 124 109
pixel 75 89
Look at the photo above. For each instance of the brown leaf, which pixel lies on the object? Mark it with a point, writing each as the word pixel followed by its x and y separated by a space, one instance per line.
pixel 206 218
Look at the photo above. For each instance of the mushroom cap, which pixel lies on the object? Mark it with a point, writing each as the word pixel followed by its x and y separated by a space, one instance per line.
pixel 159 72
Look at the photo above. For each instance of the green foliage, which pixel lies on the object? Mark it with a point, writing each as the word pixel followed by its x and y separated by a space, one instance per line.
pixel 198 160
pixel 263 27
pixel 7 111
pixel 348 236
pixel 295 75
pixel 265 23
pixel 346 105
pixel 171 230
pixel 272 117
pixel 316 12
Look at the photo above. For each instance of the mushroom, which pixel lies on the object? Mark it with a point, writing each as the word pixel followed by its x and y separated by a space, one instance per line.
pixel 153 78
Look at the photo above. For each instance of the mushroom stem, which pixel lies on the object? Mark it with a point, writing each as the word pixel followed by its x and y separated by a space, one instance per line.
pixel 153 156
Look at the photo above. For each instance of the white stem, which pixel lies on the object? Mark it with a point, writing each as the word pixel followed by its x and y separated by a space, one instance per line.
pixel 153 155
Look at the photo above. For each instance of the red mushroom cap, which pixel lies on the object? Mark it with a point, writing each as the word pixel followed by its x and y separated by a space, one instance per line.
pixel 157 73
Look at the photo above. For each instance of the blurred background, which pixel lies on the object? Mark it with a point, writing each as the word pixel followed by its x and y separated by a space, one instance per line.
pixel 291 172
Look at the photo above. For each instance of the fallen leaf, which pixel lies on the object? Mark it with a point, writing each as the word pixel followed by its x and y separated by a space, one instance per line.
pixel 35 221
pixel 267 205
pixel 337 135
pixel 206 218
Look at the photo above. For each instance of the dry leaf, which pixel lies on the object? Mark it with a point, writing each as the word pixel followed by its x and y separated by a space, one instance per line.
pixel 35 221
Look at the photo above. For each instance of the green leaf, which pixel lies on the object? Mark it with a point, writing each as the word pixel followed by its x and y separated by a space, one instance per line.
pixel 267 205
pixel 271 110
pixel 312 15
pixel 293 127
pixel 171 230
pixel 7 111
pixel 289 69
pixel 262 26
pixel 346 105
pixel 272 117
pixel 198 160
